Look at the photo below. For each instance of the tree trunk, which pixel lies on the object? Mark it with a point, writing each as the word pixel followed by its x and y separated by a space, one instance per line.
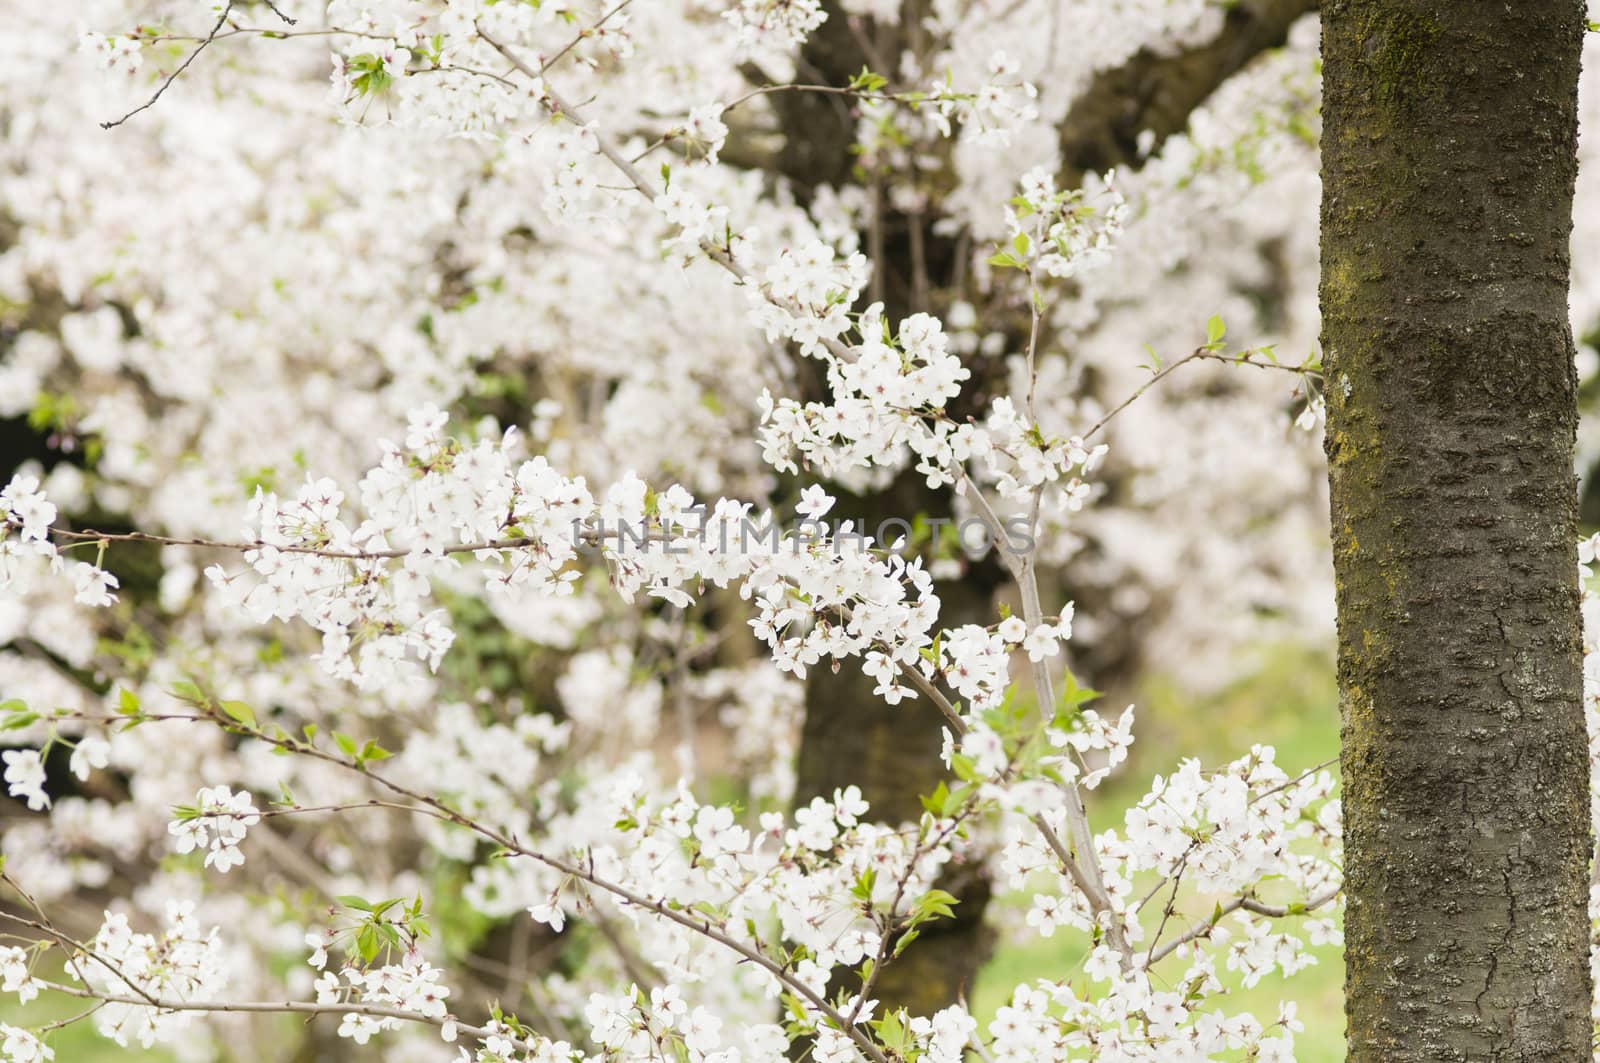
pixel 852 736
pixel 1449 143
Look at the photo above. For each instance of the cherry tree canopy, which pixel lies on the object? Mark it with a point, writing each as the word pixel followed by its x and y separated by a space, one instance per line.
pixel 435 412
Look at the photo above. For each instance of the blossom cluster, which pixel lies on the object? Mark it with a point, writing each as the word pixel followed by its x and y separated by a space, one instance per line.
pixel 412 985
pixel 777 25
pixel 16 975
pixel 26 549
pixel 525 524
pixel 183 963
pixel 1061 233
pixel 216 822
pixel 23 1046
pixel 25 777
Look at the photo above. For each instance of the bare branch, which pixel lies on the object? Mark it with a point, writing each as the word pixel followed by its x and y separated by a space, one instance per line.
pixel 1201 354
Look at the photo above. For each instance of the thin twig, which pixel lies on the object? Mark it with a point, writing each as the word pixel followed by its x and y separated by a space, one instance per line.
pixel 61 1024
pixel 440 810
pixel 222 20
pixel 587 537
pixel 274 9
pixel 1198 354
pixel 933 694
pixel 1249 904
pixel 298 1007
pixel 554 59
pixel 1085 871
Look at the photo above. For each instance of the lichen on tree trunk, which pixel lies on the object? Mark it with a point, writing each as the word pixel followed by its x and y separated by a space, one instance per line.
pixel 1449 155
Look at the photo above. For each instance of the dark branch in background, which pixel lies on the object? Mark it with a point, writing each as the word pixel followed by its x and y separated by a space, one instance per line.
pixel 1159 90
pixel 274 9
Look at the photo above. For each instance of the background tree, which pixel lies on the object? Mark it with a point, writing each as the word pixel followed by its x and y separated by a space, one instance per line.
pixel 850 734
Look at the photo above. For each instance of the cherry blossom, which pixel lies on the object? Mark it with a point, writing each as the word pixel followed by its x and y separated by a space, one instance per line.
pixel 216 822
pixel 25 777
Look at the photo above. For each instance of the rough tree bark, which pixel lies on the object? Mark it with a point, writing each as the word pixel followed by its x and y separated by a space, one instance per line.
pixel 1449 139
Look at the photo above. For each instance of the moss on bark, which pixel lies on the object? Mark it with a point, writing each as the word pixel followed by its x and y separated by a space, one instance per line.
pixel 1449 154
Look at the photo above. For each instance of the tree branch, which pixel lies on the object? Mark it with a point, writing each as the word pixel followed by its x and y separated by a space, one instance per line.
pixel 1158 91
pixel 1249 904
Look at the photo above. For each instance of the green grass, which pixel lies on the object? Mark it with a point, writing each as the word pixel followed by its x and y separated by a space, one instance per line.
pixel 1289 702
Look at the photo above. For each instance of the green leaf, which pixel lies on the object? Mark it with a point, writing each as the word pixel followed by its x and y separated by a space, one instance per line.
pixel 1215 329
pixel 18 716
pixel 241 712
pixel 713 912
pixel 934 904
pixel 893 1033
pixel 867 81
pixel 346 744
pixel 1073 697
pixel 127 702
pixel 373 751
pixel 368 943
pixel 965 767
pixel 797 1009
pixel 367 75
pixel 957 799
